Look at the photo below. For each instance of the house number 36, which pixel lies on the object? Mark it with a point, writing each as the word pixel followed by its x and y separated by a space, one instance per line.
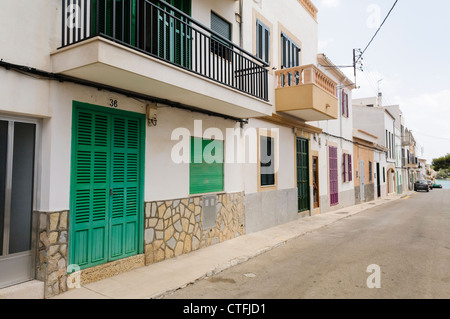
pixel 113 103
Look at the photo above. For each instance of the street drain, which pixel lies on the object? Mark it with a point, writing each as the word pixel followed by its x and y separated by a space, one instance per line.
pixel 343 213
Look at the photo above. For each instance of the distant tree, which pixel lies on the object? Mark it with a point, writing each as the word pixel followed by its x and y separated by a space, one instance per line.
pixel 441 163
pixel 443 174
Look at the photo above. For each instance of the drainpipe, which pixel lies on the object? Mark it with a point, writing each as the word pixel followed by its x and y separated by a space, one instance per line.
pixel 241 40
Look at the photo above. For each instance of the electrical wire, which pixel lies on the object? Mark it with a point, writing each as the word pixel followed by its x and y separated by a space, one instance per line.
pixel 376 33
pixel 435 137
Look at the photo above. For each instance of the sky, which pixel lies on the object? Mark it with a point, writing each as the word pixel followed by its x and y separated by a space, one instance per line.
pixel 409 60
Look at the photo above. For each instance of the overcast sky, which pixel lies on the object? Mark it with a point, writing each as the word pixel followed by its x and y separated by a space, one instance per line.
pixel 411 55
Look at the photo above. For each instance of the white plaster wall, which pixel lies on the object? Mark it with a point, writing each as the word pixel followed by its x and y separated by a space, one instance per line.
pixel 57 138
pixel 293 16
pixel 372 120
pixel 166 179
pixel 226 9
pixel 30 31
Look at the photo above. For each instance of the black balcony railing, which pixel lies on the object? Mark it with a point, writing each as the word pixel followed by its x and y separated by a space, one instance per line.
pixel 158 29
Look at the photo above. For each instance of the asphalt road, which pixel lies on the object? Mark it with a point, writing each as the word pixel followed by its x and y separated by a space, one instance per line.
pixel 408 239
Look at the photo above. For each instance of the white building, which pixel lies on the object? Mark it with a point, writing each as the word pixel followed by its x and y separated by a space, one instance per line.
pixel 115 120
pixel 380 122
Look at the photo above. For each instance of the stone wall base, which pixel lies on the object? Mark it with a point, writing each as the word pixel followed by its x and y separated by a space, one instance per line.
pixel 175 227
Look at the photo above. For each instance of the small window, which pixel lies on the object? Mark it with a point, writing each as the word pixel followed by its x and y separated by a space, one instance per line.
pixel 290 52
pixel 206 170
pixel 262 41
pixel 348 168
pixel 344 104
pixel 370 172
pixel 267 161
pixel 223 28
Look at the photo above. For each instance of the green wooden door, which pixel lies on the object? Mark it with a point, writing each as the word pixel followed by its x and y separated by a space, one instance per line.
pixel 303 174
pixel 106 197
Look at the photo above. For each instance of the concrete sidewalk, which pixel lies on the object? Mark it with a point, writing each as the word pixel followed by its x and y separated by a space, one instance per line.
pixel 156 280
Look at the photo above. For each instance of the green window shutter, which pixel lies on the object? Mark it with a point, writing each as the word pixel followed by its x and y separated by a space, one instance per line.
pixel 206 174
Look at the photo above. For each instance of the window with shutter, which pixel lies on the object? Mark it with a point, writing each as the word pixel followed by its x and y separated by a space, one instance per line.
pixel 344 104
pixel 350 168
pixel 344 165
pixel 223 28
pixel 290 52
pixel 206 170
pixel 262 41
pixel 267 161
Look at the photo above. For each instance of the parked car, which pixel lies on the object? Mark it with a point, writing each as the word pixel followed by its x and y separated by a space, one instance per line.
pixel 437 185
pixel 430 184
pixel 421 185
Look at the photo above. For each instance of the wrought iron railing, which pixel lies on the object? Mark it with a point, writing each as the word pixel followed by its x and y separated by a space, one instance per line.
pixel 158 29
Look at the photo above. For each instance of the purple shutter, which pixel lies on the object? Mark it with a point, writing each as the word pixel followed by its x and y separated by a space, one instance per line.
pixel 344 164
pixel 333 160
pixel 350 168
pixel 343 102
pixel 346 105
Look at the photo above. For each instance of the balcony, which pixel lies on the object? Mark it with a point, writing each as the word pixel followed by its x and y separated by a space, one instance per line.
pixel 407 140
pixel 306 93
pixel 152 48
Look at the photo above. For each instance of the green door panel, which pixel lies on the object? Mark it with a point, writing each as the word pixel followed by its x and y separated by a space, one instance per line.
pixel 90 186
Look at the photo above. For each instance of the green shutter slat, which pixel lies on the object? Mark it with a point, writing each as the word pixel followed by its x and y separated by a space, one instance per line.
pixel 204 177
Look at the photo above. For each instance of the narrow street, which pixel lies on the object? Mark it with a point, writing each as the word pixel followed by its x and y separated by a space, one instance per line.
pixel 408 239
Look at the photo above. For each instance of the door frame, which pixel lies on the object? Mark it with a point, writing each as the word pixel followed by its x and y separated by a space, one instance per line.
pixel 378 179
pixel 140 219
pixel 316 174
pixel 30 255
